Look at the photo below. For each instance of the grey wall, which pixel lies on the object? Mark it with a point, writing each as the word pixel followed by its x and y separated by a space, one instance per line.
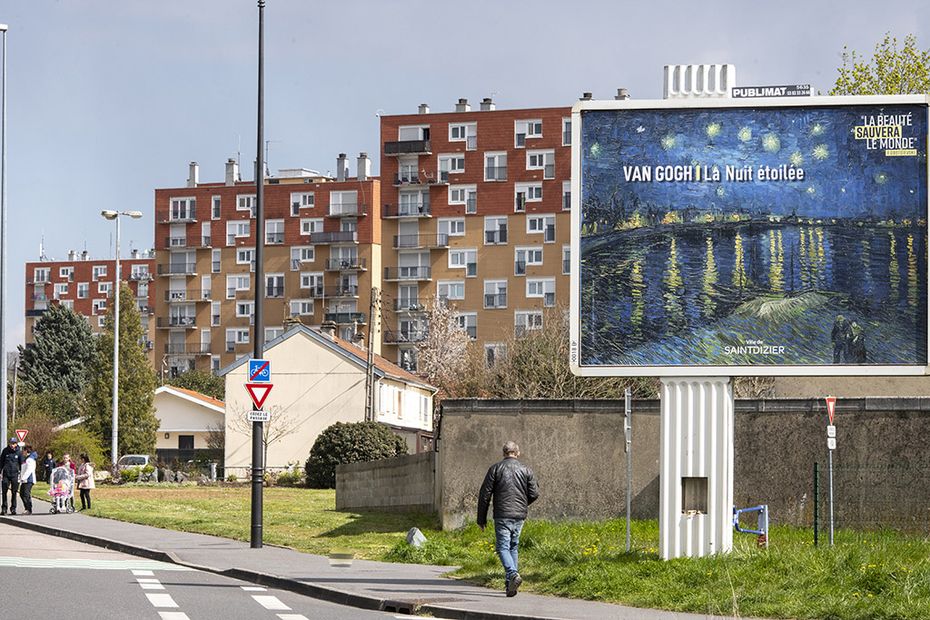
pixel 576 450
pixel 404 483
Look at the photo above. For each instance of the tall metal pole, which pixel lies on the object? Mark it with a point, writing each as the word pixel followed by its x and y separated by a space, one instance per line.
pixel 628 436
pixel 114 445
pixel 816 503
pixel 370 367
pixel 3 371
pixel 258 456
pixel 830 475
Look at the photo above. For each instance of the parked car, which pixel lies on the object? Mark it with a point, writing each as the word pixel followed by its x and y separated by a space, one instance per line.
pixel 134 460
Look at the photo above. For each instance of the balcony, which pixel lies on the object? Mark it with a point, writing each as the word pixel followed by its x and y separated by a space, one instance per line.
pixel 140 276
pixel 178 269
pixel 398 274
pixel 313 292
pixel 495 300
pixel 345 318
pixel 39 297
pixel 347 210
pixel 421 209
pixel 174 297
pixel 341 236
pixel 183 348
pixel 410 305
pixel 494 237
pixel 146 310
pixel 348 291
pixel 39 282
pixel 35 312
pixel 346 264
pixel 169 322
pixel 175 242
pixel 426 240
pixel 495 173
pixel 404 336
pixel 407 147
pixel 407 178
pixel 181 217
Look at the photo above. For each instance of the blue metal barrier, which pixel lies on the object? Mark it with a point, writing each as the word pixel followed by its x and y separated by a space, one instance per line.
pixel 762 530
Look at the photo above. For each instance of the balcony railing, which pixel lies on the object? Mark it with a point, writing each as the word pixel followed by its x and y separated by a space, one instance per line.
pixel 345 318
pixel 495 236
pixel 39 282
pixel 177 269
pixel 346 291
pixel 39 297
pixel 185 296
pixel 183 348
pixel 341 236
pixel 314 292
pixel 417 209
pixel 274 238
pixel 146 310
pixel 188 322
pixel 347 210
pixel 140 276
pixel 407 147
pixel 495 173
pixel 410 305
pixel 402 336
pixel 437 240
pixel 182 216
pixel 346 264
pixel 175 242
pixel 495 300
pixel 407 273
pixel 407 178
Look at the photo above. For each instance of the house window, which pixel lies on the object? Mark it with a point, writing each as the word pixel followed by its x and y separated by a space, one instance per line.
pixel 99 271
pixel 182 209
pixel 237 230
pixel 495 166
pixel 541 224
pixel 104 288
pixel 453 227
pixel 495 230
pixel 244 309
pixel 525 130
pixel 274 285
pixel 541 288
pixel 464 132
pixel 301 307
pixel 450 164
pixel 524 257
pixel 495 294
pixel 309 226
pixel 464 259
pixel 246 202
pixel 494 352
pixel 524 193
pixel 412 132
pixel 245 256
pixel 541 160
pixel 215 209
pixel 42 274
pixel 302 254
pixel 274 232
pixel 99 305
pixel 67 303
pixel 101 321
pixel 566 195
pixel 83 289
pixel 61 289
pixel 464 195
pixel 301 200
pixel 566 259
pixel 468 321
pixel 312 281
pixel 343 203
pixel 215 364
pixel 566 131
pixel 215 307
pixel 139 272
pixel 273 332
pixel 526 321
pixel 237 282
pixel 216 257
pixel 451 290
pixel 239 335
pixel 66 273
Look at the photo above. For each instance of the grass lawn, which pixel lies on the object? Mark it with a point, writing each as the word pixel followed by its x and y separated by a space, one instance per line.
pixel 865 576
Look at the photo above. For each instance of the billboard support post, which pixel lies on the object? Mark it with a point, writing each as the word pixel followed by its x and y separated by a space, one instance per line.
pixel 628 445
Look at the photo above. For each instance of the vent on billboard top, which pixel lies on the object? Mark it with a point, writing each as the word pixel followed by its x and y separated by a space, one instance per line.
pixel 699 81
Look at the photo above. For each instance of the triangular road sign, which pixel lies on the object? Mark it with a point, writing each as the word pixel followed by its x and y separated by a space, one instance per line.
pixel 21 434
pixel 831 407
pixel 258 392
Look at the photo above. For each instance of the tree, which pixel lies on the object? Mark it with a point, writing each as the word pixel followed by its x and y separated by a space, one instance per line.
pixel 349 443
pixel 281 423
pixel 442 355
pixel 76 441
pixel 137 421
pixel 200 381
pixel 41 429
pixel 891 71
pixel 59 356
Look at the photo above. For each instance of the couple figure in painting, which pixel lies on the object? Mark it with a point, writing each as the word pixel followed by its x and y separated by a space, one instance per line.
pixel 848 341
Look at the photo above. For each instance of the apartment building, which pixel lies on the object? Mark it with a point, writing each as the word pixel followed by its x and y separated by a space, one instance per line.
pixel 85 284
pixel 476 211
pixel 322 258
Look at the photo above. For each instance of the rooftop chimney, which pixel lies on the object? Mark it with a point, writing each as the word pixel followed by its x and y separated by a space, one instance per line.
pixel 72 255
pixel 586 97
pixel 232 171
pixel 328 329
pixel 193 176
pixel 423 109
pixel 134 253
pixel 622 94
pixel 85 255
pixel 342 167
pixel 364 167
pixel 487 104
pixel 462 106
pixel 359 340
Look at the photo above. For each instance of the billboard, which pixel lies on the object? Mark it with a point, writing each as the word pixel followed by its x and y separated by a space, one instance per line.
pixel 736 237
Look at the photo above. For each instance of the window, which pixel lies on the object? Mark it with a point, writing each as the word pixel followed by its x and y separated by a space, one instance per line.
pixel 61 289
pixel 310 226
pixel 541 288
pixel 451 289
pixel 236 230
pixel 493 352
pixel 83 289
pixel 274 285
pixel 216 208
pixel 246 202
pixel 495 293
pixel 524 257
pixel 524 193
pixel 343 203
pixel 566 195
pixel 245 256
pixel 495 230
pixel 103 288
pixel 495 166
pixel 312 281
pixel 526 321
pixel 139 272
pixel 215 364
pixel 66 273
pixel 525 130
pixel 67 303
pixel 99 271
pixel 301 200
pixel 468 321
pixel 274 232
pixel 464 132
pixel 41 274
pixel 245 309
pixel 450 164
pixel 142 289
pixel 412 132
pixel 237 282
pixel 453 227
pixel 566 131
pixel 408 170
pixel 216 256
pixel 541 160
pixel 215 313
pixel 464 259
pixel 464 195
pixel 101 321
pixel 182 209
pixel 302 254
pixel 566 259
pixel 301 307
pixel 273 332
pixel 541 224
pixel 239 335
pixel 99 305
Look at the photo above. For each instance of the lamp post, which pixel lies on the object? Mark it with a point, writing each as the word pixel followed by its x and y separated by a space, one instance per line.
pixel 115 215
pixel 3 363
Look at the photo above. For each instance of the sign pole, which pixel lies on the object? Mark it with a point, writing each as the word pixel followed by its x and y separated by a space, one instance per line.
pixel 831 446
pixel 628 435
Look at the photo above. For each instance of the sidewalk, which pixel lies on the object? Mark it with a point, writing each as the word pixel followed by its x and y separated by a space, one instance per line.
pixel 402 588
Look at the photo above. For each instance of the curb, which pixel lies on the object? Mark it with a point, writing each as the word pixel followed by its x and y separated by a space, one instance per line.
pixel 330 595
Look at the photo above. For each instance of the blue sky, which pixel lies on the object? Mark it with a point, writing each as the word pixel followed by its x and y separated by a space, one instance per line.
pixel 111 99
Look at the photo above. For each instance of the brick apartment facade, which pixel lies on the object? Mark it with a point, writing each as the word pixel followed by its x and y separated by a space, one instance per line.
pixel 322 257
pixel 85 285
pixel 476 211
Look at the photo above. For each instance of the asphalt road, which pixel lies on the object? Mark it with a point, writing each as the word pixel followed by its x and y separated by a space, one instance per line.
pixel 49 577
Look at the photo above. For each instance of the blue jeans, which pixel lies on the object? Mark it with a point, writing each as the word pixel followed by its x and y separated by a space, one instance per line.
pixel 507 533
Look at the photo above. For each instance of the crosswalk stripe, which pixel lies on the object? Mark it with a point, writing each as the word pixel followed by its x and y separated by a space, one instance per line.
pixel 298 617
pixel 142 573
pixel 253 589
pixel 272 603
pixel 161 600
pixel 173 615
pixel 90 564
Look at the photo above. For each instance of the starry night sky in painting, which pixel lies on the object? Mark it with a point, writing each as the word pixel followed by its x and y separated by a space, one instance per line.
pixel 843 179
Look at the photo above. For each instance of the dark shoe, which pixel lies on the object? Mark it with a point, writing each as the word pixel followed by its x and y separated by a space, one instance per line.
pixel 12 513
pixel 2 512
pixel 514 584
pixel 28 512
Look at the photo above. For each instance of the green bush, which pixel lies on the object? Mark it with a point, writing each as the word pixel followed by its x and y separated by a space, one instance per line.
pixel 291 478
pixel 349 443
pixel 76 441
pixel 130 474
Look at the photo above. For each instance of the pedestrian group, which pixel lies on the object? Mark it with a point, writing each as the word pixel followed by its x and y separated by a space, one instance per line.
pixel 18 469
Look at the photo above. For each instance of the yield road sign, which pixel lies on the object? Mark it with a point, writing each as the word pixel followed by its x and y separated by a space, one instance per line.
pixel 259 416
pixel 258 392
pixel 21 434
pixel 831 407
pixel 259 371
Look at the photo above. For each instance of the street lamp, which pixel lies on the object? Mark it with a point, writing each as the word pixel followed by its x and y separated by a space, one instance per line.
pixel 114 215
pixel 3 363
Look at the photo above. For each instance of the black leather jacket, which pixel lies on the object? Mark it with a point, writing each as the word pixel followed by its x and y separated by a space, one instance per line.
pixel 513 487
pixel 11 462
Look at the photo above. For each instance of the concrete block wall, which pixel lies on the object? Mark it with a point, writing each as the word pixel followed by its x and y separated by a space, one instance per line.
pixel 403 484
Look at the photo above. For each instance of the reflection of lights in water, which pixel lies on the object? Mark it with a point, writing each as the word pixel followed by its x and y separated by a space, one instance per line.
pixel 894 275
pixel 796 159
pixel 638 310
pixel 668 142
pixel 744 134
pixel 820 152
pixel 673 282
pixel 776 258
pixel 821 258
pixel 709 280
pixel 866 255
pixel 771 142
pixel 817 129
pixel 739 267
pixel 803 262
pixel 713 130
pixel 911 273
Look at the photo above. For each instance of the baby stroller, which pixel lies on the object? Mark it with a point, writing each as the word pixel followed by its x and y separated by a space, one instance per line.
pixel 62 490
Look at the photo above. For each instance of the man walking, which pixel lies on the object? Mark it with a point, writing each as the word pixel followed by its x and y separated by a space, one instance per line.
pixel 512 486
pixel 11 461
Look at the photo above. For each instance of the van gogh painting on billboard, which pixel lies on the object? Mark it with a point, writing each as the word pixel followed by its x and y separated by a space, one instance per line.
pixel 754 236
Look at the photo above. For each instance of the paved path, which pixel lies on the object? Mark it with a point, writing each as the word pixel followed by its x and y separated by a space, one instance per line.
pixel 403 588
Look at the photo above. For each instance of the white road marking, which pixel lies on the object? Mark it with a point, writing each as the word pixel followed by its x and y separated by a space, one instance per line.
pixel 254 589
pixel 173 615
pixel 90 564
pixel 143 573
pixel 150 584
pixel 161 600
pixel 272 603
pixel 303 617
